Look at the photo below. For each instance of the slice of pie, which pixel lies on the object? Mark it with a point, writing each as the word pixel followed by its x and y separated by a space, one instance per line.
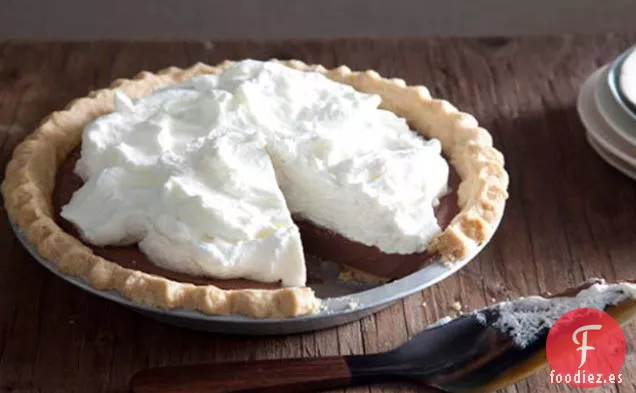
pixel 203 188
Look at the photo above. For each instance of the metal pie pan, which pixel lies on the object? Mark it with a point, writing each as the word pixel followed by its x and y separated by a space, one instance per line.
pixel 335 311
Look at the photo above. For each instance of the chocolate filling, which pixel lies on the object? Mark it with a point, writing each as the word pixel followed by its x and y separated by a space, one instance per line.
pixel 323 243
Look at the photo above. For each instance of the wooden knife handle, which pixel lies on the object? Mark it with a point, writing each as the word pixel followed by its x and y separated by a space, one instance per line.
pixel 284 376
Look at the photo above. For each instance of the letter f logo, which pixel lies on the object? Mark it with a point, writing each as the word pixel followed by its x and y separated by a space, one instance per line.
pixel 584 347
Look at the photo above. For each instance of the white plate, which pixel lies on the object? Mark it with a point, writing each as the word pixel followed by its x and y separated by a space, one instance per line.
pixel 611 159
pixel 622 97
pixel 612 111
pixel 604 134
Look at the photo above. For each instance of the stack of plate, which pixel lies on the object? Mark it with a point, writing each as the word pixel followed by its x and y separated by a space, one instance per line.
pixel 607 107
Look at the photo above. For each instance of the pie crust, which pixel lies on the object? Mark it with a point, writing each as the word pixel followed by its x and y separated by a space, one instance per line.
pixel 30 181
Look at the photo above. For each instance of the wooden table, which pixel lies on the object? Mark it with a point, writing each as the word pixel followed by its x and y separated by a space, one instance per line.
pixel 570 215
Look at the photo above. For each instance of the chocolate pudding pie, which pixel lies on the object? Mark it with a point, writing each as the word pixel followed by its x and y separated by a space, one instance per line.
pixel 205 188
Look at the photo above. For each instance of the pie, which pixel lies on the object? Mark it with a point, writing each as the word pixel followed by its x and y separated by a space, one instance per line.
pixel 202 188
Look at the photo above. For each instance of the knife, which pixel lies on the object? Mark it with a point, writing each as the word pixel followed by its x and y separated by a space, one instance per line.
pixel 472 353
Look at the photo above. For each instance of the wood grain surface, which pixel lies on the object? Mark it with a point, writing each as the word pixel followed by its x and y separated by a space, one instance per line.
pixel 570 215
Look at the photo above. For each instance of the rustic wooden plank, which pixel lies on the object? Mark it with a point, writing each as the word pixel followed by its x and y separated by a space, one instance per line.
pixel 570 215
pixel 21 304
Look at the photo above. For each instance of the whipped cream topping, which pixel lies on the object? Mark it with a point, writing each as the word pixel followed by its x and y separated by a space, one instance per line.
pixel 204 175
